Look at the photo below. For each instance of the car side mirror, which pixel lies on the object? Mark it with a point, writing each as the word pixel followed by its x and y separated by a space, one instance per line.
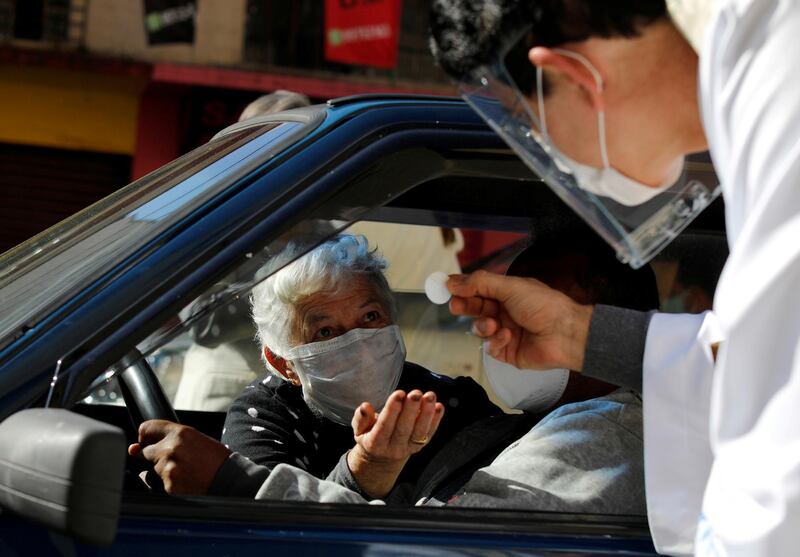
pixel 63 471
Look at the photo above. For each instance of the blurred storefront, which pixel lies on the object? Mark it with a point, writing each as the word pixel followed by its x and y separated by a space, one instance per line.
pixel 116 88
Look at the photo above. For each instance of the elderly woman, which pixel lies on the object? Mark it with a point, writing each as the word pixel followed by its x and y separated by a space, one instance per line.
pixel 340 401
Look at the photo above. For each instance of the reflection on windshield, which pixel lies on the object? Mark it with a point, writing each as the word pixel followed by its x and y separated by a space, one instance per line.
pixel 37 275
pixel 196 185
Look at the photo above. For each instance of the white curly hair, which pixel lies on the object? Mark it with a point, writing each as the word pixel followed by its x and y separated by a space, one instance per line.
pixel 329 267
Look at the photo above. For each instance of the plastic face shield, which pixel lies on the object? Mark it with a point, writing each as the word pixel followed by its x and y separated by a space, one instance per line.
pixel 636 230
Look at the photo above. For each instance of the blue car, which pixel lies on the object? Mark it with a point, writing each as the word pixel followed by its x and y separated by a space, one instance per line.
pixel 102 313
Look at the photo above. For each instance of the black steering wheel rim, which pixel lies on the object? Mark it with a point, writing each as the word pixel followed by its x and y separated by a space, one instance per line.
pixel 144 397
pixel 145 400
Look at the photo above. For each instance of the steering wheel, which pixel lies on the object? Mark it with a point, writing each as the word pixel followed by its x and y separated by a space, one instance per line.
pixel 145 400
pixel 141 390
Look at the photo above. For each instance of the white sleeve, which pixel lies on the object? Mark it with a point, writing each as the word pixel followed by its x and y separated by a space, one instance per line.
pixel 749 83
pixel 677 372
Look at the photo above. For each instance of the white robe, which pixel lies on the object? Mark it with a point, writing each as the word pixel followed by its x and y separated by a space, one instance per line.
pixel 750 99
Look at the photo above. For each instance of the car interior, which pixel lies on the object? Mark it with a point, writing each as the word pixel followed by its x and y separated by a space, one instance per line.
pixel 478 222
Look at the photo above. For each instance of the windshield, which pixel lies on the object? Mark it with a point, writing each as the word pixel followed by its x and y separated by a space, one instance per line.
pixel 38 275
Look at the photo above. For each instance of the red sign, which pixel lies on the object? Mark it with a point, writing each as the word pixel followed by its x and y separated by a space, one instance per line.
pixel 362 32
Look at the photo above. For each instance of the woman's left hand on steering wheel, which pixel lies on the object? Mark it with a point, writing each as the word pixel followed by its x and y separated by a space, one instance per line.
pixel 185 459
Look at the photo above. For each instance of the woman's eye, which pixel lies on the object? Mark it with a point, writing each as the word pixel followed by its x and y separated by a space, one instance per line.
pixel 371 316
pixel 325 332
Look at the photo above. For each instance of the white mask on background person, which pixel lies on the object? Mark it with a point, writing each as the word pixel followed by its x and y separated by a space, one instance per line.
pixel 606 181
pixel 337 375
pixel 525 389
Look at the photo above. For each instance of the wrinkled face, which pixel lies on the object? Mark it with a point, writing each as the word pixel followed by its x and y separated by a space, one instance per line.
pixel 326 315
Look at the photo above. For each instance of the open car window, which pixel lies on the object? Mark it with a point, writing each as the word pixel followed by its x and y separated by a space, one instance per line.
pixel 470 230
pixel 206 354
pixel 216 329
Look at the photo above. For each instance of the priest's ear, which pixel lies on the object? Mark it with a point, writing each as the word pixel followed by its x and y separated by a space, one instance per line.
pixel 572 69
